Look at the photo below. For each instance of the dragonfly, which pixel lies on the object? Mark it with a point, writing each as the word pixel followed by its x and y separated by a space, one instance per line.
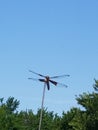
pixel 47 79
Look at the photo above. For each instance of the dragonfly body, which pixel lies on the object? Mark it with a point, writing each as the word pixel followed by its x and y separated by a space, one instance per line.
pixel 47 80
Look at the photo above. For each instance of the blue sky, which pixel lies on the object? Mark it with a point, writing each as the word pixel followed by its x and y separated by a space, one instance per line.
pixel 49 37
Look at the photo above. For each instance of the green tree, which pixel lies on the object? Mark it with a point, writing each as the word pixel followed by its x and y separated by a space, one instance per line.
pixel 87 119
pixel 26 120
pixel 47 119
pixel 50 121
pixel 66 118
pixel 11 104
pixel 7 114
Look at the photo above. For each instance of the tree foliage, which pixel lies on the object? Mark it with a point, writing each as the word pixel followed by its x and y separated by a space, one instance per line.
pixel 74 119
pixel 87 119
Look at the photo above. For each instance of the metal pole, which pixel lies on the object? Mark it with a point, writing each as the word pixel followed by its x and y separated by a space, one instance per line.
pixel 43 96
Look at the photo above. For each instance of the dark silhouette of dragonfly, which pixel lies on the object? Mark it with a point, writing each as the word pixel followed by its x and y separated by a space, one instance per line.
pixel 47 80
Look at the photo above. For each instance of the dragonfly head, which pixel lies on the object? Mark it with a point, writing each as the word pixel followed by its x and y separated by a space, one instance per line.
pixel 47 78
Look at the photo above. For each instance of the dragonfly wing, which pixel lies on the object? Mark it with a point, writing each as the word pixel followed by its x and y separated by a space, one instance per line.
pixel 62 85
pixel 42 80
pixel 34 79
pixel 58 84
pixel 61 76
pixel 53 82
pixel 36 73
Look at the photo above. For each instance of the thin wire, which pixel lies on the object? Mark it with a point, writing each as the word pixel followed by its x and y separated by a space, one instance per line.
pixel 43 96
